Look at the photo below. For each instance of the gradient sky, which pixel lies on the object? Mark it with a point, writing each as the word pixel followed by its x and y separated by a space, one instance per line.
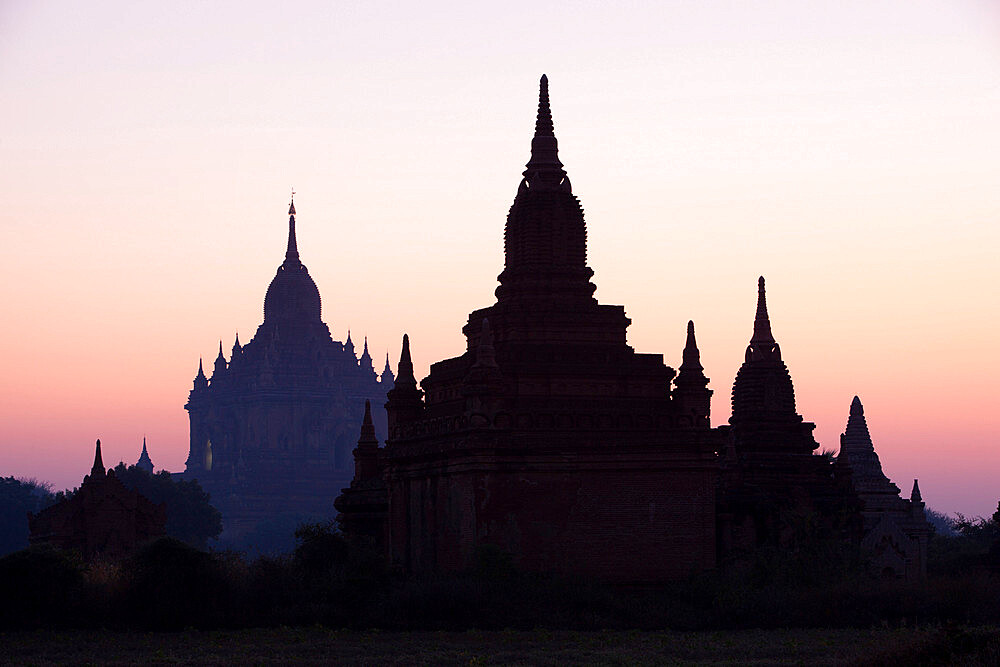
pixel 849 151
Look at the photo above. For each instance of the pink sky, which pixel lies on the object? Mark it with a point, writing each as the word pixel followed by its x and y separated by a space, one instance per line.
pixel 848 151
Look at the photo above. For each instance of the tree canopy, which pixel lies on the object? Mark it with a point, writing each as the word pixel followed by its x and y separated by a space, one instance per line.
pixel 191 517
pixel 17 498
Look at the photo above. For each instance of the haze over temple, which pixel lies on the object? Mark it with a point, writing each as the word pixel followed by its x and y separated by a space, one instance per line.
pixel 553 440
pixel 272 430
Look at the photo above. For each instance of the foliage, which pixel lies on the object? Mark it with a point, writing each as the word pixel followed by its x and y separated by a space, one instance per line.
pixel 320 547
pixel 271 537
pixel 327 580
pixel 172 585
pixel 190 516
pixel 17 498
pixel 943 524
pixel 39 586
pixel 168 585
pixel 974 545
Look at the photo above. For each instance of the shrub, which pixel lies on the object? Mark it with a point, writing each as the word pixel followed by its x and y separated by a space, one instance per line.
pixel 39 587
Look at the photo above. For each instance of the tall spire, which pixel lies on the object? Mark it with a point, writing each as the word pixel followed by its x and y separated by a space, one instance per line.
pixel 98 469
pixel 404 376
pixel 762 345
pixel 545 238
pixel 691 360
pixel 915 493
pixel 292 252
pixel 544 167
pixel 761 323
pixel 692 395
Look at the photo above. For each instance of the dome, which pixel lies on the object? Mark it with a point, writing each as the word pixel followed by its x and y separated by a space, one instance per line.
pixel 292 295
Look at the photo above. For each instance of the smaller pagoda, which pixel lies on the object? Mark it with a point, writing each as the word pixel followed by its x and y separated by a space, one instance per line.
pixel 896 529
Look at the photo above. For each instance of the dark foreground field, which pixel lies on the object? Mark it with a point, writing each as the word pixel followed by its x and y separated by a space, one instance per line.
pixel 924 646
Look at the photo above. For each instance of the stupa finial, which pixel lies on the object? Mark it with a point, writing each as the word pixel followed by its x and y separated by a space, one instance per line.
pixel 761 323
pixel 98 468
pixel 544 167
pixel 404 374
pixel 292 251
pixel 691 358
pixel 543 122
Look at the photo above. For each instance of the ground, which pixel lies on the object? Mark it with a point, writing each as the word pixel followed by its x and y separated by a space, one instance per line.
pixel 925 645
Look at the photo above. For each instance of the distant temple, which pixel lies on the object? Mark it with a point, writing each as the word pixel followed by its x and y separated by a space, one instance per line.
pixel 103 519
pixel 273 429
pixel 896 530
pixel 551 439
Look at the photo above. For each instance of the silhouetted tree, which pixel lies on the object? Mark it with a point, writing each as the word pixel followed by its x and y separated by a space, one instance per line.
pixel 190 516
pixel 944 525
pixel 38 587
pixel 17 498
pixel 974 543
pixel 172 585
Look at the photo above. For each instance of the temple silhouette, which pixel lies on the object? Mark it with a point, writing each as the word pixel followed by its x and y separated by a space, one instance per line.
pixel 272 430
pixel 552 439
pixel 896 530
pixel 102 520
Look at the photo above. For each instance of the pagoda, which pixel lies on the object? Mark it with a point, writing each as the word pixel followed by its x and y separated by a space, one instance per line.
pixel 549 437
pixel 272 430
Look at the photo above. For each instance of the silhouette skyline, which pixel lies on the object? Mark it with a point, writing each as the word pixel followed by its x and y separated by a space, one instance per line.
pixel 846 152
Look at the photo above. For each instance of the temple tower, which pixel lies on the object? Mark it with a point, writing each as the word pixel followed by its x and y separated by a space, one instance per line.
pixel 549 437
pixel 769 475
pixel 273 430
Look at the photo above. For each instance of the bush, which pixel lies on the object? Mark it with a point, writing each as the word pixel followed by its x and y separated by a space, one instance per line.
pixel 39 587
pixel 172 585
